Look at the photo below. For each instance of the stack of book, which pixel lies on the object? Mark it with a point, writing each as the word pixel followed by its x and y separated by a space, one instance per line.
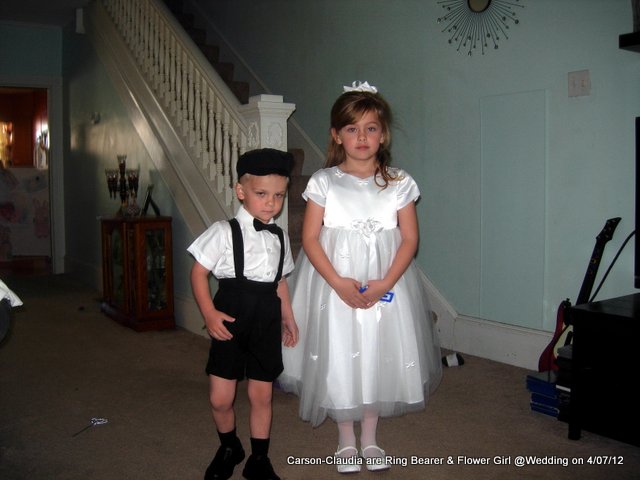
pixel 563 381
pixel 544 395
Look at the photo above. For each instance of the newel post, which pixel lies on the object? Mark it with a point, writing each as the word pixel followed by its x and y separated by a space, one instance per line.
pixel 266 116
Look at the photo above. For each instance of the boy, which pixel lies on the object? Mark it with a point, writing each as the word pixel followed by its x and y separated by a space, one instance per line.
pixel 251 312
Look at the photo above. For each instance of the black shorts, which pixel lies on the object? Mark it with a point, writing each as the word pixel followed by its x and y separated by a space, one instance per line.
pixel 255 351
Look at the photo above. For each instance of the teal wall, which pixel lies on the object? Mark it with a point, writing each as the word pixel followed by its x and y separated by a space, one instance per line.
pixel 30 52
pixel 517 178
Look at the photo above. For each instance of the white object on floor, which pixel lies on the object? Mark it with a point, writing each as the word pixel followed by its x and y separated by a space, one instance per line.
pixel 5 292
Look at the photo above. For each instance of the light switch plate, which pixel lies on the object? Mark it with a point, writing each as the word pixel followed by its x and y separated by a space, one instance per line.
pixel 579 83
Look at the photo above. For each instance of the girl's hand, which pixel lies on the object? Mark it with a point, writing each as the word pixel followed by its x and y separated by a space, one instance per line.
pixel 214 321
pixel 376 289
pixel 348 290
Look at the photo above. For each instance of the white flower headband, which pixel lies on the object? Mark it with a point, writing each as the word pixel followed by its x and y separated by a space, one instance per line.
pixel 359 86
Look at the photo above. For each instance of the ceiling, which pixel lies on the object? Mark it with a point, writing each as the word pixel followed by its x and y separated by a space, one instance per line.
pixel 41 12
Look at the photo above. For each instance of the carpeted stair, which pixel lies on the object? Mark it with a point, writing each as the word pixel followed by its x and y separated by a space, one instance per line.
pixel 212 52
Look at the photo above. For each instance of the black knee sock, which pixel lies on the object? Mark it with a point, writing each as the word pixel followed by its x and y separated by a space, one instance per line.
pixel 260 446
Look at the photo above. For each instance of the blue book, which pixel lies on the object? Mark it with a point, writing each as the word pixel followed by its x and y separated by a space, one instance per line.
pixel 540 399
pixel 543 383
pixel 552 412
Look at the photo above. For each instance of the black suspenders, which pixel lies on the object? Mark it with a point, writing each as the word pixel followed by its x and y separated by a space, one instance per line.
pixel 238 251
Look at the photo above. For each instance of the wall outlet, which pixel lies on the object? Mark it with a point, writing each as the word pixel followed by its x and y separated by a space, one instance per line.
pixel 579 83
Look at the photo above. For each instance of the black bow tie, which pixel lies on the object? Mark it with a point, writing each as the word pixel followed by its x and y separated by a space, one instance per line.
pixel 271 227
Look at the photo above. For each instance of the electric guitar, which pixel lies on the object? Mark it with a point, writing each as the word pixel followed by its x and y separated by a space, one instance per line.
pixel 563 332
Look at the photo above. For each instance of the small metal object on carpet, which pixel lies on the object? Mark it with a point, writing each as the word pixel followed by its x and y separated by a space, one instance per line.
pixel 92 423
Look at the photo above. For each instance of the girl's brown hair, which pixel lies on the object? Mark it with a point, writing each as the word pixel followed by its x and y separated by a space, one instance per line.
pixel 348 109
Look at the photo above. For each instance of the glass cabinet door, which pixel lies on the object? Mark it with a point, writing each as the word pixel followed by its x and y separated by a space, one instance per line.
pixel 117 268
pixel 154 242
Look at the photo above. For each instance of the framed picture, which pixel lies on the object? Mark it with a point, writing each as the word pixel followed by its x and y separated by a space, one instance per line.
pixel 149 201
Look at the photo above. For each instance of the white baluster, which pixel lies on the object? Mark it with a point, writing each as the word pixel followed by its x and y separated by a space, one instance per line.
pixel 190 100
pixel 184 107
pixel 158 47
pixel 138 34
pixel 195 128
pixel 126 20
pixel 116 15
pixel 120 15
pixel 211 121
pixel 154 46
pixel 141 35
pixel 154 49
pixel 178 99
pixel 172 76
pixel 226 152
pixel 204 141
pixel 219 153
pixel 164 55
pixel 129 24
pixel 232 163
pixel 150 52
pixel 184 62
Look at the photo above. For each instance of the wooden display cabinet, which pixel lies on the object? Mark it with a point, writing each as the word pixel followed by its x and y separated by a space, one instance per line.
pixel 137 272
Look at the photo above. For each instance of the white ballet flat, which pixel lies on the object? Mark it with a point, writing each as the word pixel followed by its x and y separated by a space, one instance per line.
pixel 377 462
pixel 352 462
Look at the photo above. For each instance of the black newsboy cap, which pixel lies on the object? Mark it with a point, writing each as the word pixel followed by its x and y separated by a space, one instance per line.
pixel 265 161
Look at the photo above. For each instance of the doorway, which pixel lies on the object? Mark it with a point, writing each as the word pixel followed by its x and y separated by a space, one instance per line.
pixel 25 212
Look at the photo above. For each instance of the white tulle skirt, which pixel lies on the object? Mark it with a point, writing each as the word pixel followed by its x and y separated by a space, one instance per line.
pixel 385 359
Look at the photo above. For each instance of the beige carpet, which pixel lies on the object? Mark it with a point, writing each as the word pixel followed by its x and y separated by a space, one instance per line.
pixel 66 363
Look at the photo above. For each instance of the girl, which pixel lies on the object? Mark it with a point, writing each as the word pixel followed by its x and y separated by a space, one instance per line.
pixel 367 346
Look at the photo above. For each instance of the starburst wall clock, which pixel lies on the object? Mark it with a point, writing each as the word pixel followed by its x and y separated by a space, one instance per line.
pixel 474 25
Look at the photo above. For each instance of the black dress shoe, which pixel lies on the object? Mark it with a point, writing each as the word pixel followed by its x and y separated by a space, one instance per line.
pixel 222 465
pixel 258 467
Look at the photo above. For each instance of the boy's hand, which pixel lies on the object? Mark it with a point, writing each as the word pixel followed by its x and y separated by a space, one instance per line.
pixel 289 326
pixel 214 321
pixel 289 331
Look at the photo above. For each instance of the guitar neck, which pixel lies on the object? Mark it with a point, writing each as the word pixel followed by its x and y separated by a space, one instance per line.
pixel 592 269
pixel 590 275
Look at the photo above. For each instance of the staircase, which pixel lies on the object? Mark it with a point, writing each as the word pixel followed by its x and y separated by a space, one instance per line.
pixel 240 89
pixel 191 122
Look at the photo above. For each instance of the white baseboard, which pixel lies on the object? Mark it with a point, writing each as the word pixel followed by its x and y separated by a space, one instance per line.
pixel 510 344
pixel 517 346
pixel 187 315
